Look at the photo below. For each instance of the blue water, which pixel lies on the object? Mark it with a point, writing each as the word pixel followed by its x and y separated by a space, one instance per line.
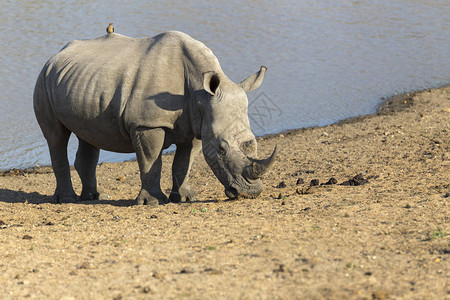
pixel 327 60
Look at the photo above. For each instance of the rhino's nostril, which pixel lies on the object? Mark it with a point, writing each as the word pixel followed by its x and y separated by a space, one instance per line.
pixel 248 147
pixel 231 192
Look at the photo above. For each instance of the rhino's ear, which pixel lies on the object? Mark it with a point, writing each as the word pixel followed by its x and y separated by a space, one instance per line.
pixel 211 82
pixel 253 82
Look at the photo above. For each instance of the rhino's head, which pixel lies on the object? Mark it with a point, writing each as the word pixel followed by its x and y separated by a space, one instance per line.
pixel 229 146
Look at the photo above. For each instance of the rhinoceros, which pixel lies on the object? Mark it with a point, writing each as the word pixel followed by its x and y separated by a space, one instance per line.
pixel 142 95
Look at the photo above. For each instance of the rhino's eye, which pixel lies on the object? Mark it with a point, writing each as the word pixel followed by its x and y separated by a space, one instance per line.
pixel 222 151
pixel 223 148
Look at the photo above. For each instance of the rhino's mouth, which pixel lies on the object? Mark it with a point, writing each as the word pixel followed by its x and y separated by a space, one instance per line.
pixel 231 192
pixel 245 189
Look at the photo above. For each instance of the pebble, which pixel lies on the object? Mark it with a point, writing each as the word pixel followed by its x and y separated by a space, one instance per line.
pixel 332 180
pixel 380 295
pixel 159 275
pixel 306 190
pixel 212 271
pixel 355 181
pixel 85 265
pixel 280 269
pixel 281 185
pixel 300 181
pixel 186 271
pixel 314 182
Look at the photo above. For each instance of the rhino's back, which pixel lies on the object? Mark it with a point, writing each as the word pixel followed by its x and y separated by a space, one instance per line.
pixel 95 72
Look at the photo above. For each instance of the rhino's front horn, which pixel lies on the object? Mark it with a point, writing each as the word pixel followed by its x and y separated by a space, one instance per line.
pixel 260 166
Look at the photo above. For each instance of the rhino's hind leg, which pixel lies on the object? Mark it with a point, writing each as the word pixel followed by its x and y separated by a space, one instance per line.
pixel 182 162
pixel 86 165
pixel 148 144
pixel 57 140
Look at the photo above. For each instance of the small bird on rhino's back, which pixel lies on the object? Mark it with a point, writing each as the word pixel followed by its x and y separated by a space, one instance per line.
pixel 110 28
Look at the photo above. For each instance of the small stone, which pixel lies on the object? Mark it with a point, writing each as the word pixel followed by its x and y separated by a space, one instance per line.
pixel 85 265
pixel 359 179
pixel 146 290
pixel 331 181
pixel 27 237
pixel 306 190
pixel 311 190
pixel 153 217
pixel 159 275
pixel 281 269
pixel 283 203
pixel 355 181
pixel 186 271
pixel 281 185
pixel 314 182
pixel 212 271
pixel 380 295
pixel 300 181
pixel 120 178
pixel 2 223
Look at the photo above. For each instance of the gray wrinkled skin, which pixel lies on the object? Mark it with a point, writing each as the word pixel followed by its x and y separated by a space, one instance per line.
pixel 142 95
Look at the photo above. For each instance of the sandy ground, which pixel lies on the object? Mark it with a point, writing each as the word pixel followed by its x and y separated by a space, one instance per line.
pixel 380 231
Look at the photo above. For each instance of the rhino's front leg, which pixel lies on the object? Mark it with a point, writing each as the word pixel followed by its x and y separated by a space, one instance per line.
pixel 182 162
pixel 148 144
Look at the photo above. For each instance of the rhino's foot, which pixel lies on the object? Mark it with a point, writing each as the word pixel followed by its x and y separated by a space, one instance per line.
pixel 183 195
pixel 87 196
pixel 60 198
pixel 93 195
pixel 144 198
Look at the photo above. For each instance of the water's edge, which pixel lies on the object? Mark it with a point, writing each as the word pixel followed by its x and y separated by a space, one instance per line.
pixel 389 105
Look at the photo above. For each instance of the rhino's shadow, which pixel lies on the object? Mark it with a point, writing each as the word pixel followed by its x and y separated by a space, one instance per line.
pixel 11 196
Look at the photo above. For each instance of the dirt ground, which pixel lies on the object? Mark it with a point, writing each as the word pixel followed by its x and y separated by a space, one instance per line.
pixel 378 230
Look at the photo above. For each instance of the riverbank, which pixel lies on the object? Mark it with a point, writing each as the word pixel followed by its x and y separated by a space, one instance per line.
pixel 357 209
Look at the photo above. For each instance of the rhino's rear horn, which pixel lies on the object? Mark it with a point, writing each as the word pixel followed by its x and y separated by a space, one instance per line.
pixel 260 166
